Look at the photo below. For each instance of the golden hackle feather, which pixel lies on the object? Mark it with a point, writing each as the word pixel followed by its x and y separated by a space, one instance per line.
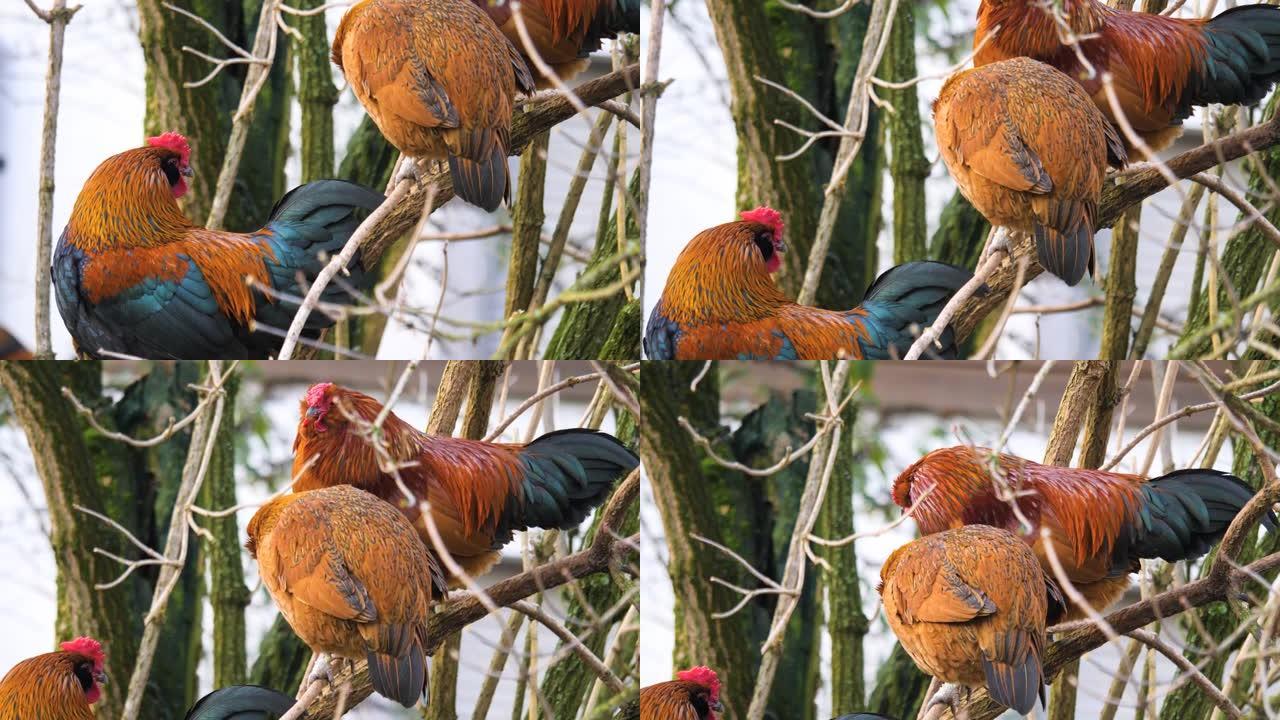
pixel 670 700
pixel 44 687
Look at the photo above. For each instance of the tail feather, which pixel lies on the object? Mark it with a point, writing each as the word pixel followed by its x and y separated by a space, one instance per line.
pixel 907 298
pixel 1014 677
pixel 1183 514
pixel 486 182
pixel 616 16
pixel 568 473
pixel 403 679
pixel 1243 59
pixel 241 702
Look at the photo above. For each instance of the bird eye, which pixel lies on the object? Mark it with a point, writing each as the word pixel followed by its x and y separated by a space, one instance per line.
pixel 764 241
pixel 171 171
pixel 84 674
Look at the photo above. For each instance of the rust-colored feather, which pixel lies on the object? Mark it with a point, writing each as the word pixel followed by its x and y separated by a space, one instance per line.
pixel 45 687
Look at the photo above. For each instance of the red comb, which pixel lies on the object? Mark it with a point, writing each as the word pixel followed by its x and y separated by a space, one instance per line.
pixel 764 215
pixel 315 395
pixel 173 141
pixel 86 646
pixel 702 674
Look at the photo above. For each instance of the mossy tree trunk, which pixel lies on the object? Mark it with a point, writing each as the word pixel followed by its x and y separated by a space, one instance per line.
pixel 204 113
pixel 908 166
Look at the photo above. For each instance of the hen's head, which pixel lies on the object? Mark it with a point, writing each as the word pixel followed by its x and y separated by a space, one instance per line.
pixel 766 228
pixel 316 406
pixel 172 154
pixel 87 661
pixel 707 701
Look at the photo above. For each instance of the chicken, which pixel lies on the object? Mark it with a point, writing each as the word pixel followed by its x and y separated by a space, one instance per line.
pixel 11 348
pixel 241 702
pixel 59 685
pixel 440 80
pixel 564 32
pixel 132 275
pixel 1162 67
pixel 1100 523
pixel 353 580
pixel 693 695
pixel 970 606
pixel 479 492
pixel 721 303
pixel 1029 149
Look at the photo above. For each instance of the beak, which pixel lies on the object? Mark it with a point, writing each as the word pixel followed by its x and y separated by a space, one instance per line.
pixel 717 706
pixel 312 412
pixel 779 246
pixel 100 677
pixel 187 171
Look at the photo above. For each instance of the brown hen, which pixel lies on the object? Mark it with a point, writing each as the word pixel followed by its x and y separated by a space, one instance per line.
pixel 55 686
pixel 970 606
pixel 440 80
pixel 564 32
pixel 1030 150
pixel 350 575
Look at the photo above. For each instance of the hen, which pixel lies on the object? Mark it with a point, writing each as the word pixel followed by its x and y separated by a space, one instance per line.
pixel 564 32
pixel 60 685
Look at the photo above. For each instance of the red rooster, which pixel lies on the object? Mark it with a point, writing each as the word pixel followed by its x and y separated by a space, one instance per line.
pixel 564 31
pixel 59 685
pixel 693 695
pixel 1100 523
pixel 134 276
pixel 1161 67
pixel 721 303
pixel 479 492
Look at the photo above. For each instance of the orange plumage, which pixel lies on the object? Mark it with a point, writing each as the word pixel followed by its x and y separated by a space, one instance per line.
pixel 693 695
pixel 1030 151
pixel 59 685
pixel 440 80
pixel 350 575
pixel 479 492
pixel 1161 66
pixel 1100 523
pixel 720 302
pixel 970 606
pixel 11 348
pixel 563 32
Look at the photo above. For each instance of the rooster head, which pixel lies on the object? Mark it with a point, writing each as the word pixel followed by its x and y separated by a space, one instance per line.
pixel 175 160
pixel 709 704
pixel 767 236
pixel 88 661
pixel 316 405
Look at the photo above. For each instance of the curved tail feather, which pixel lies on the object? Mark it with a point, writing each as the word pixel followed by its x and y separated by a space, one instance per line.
pixel 241 702
pixel 403 679
pixel 906 299
pixel 1181 515
pixel 567 474
pixel 1243 59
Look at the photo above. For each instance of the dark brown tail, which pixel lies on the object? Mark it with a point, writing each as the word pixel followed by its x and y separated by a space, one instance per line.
pixel 404 678
pixel 479 171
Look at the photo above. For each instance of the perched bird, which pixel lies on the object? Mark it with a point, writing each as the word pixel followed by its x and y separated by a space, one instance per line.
pixel 1029 149
pixel 479 492
pixel 864 716
pixel 564 32
pixel 11 348
pixel 59 685
pixel 1100 523
pixel 134 276
pixel 970 606
pixel 693 695
pixel 241 702
pixel 721 303
pixel 1161 67
pixel 353 580
pixel 440 80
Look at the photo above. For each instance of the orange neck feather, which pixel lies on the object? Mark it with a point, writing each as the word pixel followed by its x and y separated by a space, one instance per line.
pixel 721 277
pixel 45 687
pixel 126 202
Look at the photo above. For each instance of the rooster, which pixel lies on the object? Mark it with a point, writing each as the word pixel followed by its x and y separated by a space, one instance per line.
pixel 721 303
pixel 134 276
pixel 970 605
pixel 349 574
pixel 1161 67
pixel 1030 151
pixel 60 685
pixel 693 695
pixel 1100 523
pixel 440 80
pixel 564 32
pixel 241 702
pixel 479 492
